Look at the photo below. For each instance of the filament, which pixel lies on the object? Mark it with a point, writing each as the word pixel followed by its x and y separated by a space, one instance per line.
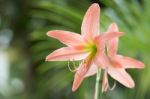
pixel 113 87
pixel 72 70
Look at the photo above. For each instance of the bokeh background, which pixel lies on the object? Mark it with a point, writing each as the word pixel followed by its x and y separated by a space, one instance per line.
pixel 24 74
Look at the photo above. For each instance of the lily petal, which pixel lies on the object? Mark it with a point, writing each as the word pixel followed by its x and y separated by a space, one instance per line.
pixel 110 35
pixel 113 43
pixel 121 76
pixel 105 82
pixel 67 53
pixel 66 37
pixel 90 25
pixel 128 62
pixel 92 70
pixel 113 28
pixel 101 60
pixel 81 72
pixel 116 64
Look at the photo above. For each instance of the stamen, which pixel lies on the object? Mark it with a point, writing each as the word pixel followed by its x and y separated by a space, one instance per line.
pixel 72 70
pixel 74 64
pixel 113 87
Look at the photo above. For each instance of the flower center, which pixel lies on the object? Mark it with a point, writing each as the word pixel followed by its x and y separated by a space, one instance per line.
pixel 92 48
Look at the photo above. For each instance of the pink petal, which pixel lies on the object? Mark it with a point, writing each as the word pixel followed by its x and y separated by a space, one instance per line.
pixel 105 82
pixel 100 44
pixel 66 53
pixel 107 36
pixel 113 28
pixel 81 72
pixel 112 46
pixel 128 62
pixel 92 70
pixel 90 25
pixel 66 37
pixel 113 43
pixel 116 64
pixel 101 60
pixel 77 81
pixel 121 76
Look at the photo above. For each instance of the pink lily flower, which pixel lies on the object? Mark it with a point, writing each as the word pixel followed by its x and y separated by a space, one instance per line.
pixel 88 47
pixel 118 63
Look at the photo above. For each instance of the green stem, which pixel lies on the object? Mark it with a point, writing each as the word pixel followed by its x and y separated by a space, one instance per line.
pixel 98 91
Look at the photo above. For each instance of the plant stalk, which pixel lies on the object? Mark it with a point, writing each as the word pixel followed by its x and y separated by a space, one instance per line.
pixel 98 91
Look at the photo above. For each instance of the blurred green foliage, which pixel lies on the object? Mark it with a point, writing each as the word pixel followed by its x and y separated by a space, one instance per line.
pixel 31 19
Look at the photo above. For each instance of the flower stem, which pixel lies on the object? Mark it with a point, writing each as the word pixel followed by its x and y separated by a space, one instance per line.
pixel 98 91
